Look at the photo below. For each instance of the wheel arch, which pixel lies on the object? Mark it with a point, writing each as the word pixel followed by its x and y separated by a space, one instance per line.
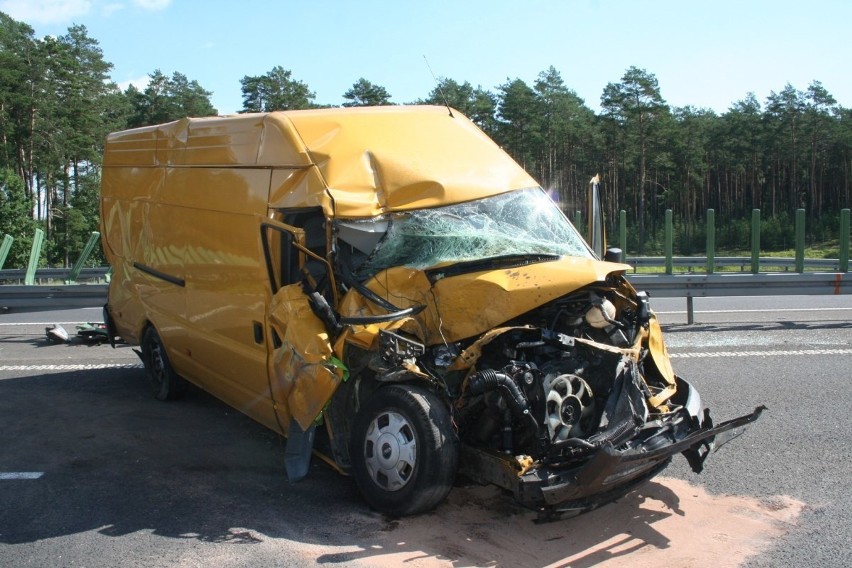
pixel 404 448
pixel 351 396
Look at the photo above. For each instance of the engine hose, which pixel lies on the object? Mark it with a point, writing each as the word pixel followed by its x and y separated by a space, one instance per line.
pixel 594 442
pixel 574 443
pixel 489 379
pixel 615 435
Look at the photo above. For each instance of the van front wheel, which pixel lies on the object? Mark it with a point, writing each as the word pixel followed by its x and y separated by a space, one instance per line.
pixel 166 384
pixel 404 450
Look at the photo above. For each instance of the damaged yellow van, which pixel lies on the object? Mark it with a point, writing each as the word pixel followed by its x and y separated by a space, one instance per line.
pixel 391 278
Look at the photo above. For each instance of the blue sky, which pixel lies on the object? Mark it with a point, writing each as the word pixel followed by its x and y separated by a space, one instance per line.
pixel 707 53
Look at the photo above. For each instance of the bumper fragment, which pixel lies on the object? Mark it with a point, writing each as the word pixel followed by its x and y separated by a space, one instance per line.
pixel 610 468
pixel 607 475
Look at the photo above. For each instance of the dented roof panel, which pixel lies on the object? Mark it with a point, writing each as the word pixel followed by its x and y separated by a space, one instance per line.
pixel 371 160
pixel 408 157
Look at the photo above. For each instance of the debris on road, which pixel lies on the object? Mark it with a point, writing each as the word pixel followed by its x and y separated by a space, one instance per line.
pixel 87 333
pixel 57 334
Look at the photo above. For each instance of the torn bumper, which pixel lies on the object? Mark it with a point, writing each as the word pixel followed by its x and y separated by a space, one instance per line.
pixel 611 473
pixel 607 475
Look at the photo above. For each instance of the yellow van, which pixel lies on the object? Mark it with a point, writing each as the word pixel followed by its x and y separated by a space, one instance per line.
pixel 391 278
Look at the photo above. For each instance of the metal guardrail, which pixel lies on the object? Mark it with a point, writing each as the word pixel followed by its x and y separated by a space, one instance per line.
pixel 34 298
pixel 743 262
pixel 691 286
pixel 735 284
pixel 687 286
pixel 691 263
pixel 53 275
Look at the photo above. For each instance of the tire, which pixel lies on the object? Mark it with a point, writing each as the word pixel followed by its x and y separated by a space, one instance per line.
pixel 165 383
pixel 404 450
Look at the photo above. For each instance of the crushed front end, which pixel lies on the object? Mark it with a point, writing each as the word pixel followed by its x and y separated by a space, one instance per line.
pixel 576 404
pixel 553 368
pixel 569 405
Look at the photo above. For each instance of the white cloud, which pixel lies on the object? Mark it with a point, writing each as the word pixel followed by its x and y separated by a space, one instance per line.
pixel 67 11
pixel 46 11
pixel 109 9
pixel 139 82
pixel 153 5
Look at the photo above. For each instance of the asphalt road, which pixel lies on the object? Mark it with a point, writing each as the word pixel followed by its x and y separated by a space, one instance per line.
pixel 95 472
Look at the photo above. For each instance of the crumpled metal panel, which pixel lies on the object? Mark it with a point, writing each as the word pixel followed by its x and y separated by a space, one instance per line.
pixel 298 188
pixel 467 305
pixel 660 357
pixel 147 146
pixel 240 140
pixel 221 141
pixel 370 160
pixel 300 371
pixel 382 159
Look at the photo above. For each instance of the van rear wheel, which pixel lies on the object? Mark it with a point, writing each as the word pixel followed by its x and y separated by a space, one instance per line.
pixel 404 450
pixel 166 384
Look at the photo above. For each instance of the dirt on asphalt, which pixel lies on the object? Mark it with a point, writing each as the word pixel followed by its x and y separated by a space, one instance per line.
pixel 667 522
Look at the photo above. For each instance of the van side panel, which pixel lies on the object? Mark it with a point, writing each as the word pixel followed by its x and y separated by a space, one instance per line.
pixel 138 234
pixel 124 191
pixel 236 191
pixel 227 287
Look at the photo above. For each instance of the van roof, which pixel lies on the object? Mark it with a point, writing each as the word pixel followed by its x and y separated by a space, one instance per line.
pixel 371 160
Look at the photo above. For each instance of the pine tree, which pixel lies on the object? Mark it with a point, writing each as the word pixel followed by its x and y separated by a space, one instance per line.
pixel 365 93
pixel 276 90
pixel 636 107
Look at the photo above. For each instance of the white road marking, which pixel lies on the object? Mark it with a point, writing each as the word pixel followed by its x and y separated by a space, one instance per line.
pixel 83 367
pixel 754 311
pixel 796 352
pixel 673 355
pixel 10 324
pixel 20 475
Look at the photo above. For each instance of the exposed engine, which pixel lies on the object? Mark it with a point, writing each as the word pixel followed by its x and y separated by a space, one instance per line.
pixel 561 381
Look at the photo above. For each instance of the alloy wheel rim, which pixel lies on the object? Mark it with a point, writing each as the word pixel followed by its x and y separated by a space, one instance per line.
pixel 390 451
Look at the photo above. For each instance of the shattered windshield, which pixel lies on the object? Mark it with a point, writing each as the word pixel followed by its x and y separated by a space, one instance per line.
pixel 524 222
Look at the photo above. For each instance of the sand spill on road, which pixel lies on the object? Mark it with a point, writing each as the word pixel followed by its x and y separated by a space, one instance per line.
pixel 667 522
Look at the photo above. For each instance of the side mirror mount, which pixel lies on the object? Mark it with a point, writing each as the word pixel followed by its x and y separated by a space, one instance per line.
pixel 614 254
pixel 596 236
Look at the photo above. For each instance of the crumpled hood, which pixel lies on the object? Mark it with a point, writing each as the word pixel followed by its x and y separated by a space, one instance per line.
pixel 466 305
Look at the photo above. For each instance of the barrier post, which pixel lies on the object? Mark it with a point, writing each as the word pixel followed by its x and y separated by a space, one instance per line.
pixel 800 240
pixel 4 249
pixel 669 239
pixel 844 240
pixel 87 251
pixel 755 241
pixel 35 253
pixel 711 241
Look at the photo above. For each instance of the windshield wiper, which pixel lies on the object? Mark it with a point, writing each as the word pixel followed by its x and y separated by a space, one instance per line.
pixel 490 263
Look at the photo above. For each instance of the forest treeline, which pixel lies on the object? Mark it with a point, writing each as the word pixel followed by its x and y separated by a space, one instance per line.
pixel 793 150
